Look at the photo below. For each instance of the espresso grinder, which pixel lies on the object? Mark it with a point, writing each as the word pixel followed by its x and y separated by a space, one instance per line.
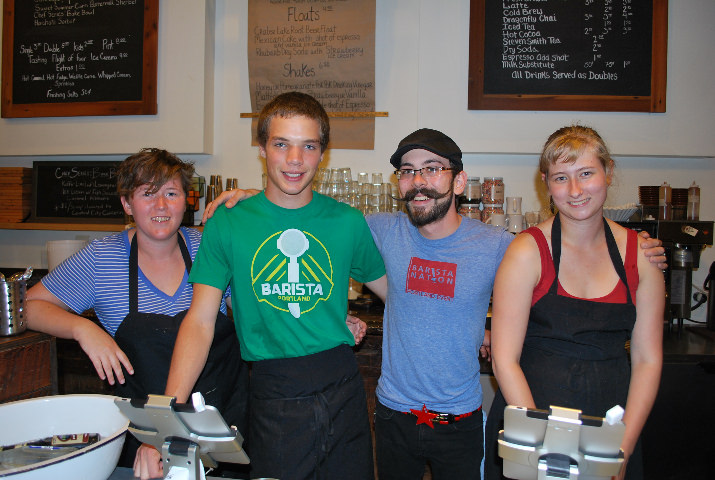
pixel 684 241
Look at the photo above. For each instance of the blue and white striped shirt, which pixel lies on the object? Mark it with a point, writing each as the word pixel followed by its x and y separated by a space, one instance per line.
pixel 98 277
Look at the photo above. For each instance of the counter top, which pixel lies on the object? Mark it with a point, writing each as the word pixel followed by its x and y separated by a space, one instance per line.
pixel 695 344
pixel 123 473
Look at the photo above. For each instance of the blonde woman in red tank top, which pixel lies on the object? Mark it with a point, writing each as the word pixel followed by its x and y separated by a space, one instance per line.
pixel 565 305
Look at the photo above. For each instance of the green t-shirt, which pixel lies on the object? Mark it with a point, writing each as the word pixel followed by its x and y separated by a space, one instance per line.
pixel 289 272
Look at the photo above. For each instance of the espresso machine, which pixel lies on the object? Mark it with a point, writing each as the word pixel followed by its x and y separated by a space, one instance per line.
pixel 684 241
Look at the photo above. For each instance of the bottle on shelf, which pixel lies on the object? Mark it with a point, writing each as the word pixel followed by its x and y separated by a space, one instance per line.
pixel 665 206
pixel 693 209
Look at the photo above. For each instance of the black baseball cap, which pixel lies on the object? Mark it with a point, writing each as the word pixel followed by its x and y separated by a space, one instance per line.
pixel 432 140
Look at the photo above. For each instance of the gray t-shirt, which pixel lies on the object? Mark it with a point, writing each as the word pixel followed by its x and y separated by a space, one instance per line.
pixel 437 303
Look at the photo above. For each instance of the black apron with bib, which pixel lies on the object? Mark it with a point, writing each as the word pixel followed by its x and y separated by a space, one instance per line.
pixel 574 354
pixel 148 341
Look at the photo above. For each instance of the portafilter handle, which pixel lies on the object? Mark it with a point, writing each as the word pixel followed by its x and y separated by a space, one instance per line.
pixel 710 318
pixel 709 278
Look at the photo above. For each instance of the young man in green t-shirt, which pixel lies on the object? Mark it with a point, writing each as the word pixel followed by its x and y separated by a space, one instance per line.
pixel 288 254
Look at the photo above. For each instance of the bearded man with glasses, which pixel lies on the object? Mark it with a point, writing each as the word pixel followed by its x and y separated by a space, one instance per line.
pixel 440 271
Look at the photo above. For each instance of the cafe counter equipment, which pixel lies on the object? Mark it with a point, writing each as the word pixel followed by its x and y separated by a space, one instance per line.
pixel 684 241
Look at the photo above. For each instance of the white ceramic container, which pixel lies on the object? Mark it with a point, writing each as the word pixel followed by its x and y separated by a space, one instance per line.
pixel 42 417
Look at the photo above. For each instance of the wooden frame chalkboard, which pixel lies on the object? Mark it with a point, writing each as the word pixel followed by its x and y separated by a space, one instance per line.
pixel 75 58
pixel 75 192
pixel 555 55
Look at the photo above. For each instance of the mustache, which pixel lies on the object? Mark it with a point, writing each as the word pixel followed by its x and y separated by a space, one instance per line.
pixel 427 192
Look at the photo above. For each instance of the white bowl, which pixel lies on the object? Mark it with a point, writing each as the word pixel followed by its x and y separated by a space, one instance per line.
pixel 42 417
pixel 621 213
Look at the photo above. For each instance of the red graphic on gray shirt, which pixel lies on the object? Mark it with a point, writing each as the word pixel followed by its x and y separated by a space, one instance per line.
pixel 431 279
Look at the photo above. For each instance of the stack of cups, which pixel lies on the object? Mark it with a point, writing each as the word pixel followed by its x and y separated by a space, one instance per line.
pixel 213 189
pixel 60 250
pixel 515 219
pixel 369 195
pixel 231 184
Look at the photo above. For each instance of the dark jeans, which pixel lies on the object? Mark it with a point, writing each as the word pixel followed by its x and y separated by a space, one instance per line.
pixel 403 448
pixel 309 418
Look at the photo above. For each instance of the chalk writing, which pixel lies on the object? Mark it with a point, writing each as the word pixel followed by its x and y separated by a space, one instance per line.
pixel 557 47
pixel 76 190
pixel 308 46
pixel 77 51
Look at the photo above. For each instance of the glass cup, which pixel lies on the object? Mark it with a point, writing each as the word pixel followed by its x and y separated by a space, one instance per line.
pixel 335 175
pixel 334 189
pixel 531 218
pixel 384 203
pixel 366 189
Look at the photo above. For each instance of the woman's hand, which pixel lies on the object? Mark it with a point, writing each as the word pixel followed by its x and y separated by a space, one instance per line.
pixel 147 463
pixel 357 327
pixel 230 198
pixel 46 313
pixel 103 351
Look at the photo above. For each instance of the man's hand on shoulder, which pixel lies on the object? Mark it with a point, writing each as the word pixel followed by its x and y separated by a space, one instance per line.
pixel 357 327
pixel 230 198
pixel 654 250
pixel 485 351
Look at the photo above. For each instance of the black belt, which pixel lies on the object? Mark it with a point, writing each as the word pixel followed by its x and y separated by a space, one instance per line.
pixel 424 415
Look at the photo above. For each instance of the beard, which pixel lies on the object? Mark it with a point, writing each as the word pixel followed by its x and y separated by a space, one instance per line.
pixel 424 216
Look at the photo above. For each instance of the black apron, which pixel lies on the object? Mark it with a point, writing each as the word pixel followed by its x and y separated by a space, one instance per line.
pixel 574 353
pixel 148 341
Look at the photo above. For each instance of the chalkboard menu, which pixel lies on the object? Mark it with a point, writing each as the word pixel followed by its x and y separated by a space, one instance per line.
pixel 79 57
pixel 604 55
pixel 76 192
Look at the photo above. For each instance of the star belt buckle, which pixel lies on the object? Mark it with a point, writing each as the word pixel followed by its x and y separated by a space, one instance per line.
pixel 424 416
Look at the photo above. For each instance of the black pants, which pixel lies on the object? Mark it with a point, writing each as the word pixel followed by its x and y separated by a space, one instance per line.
pixel 454 451
pixel 309 418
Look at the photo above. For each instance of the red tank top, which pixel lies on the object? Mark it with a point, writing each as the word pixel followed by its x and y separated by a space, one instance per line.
pixel 618 295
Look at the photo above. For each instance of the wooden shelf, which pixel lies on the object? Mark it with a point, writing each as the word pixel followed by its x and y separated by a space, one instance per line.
pixel 81 227
pixel 70 227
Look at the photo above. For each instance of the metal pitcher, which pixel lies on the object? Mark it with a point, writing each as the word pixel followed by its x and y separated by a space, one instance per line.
pixel 12 307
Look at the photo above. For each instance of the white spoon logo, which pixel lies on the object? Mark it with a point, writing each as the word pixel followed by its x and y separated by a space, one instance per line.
pixel 293 243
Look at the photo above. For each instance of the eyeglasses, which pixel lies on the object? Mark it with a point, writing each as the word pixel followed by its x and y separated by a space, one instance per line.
pixel 426 172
